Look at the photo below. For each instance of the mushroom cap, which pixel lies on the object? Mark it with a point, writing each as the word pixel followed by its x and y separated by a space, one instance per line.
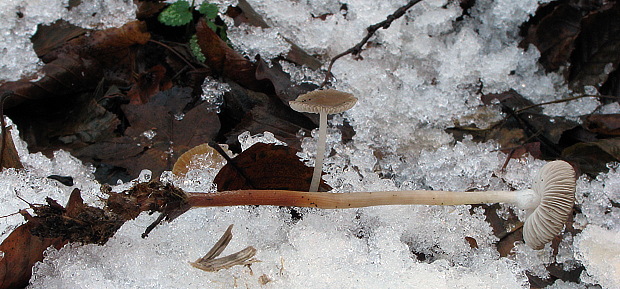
pixel 324 101
pixel 555 188
pixel 201 156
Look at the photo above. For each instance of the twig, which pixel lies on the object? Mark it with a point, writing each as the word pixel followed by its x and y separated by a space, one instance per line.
pixel 370 31
pixel 175 53
pixel 520 110
pixel 562 100
pixel 4 141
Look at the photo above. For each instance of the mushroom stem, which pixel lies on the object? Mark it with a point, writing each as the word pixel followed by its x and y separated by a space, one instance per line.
pixel 323 200
pixel 548 203
pixel 320 153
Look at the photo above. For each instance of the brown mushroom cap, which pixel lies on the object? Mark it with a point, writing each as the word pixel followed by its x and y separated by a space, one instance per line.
pixel 326 101
pixel 198 157
pixel 555 186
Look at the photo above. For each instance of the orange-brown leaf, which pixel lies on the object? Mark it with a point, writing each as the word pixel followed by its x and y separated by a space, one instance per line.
pixel 225 61
pixel 21 251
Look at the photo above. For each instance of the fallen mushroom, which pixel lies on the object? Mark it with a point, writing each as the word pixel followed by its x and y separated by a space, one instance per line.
pixel 548 203
pixel 323 102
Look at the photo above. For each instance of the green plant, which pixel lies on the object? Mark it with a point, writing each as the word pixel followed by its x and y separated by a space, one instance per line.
pixel 181 13
pixel 195 48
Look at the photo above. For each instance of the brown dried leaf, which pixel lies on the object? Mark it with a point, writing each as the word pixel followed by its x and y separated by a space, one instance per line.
pixel 225 61
pixel 211 263
pixel 21 251
pixel 605 124
pixel 67 74
pixel 554 35
pixel 77 65
pixel 285 89
pixel 50 37
pixel 592 157
pixel 266 166
pixel 247 110
pixel 596 48
pixel 148 84
pixel 9 157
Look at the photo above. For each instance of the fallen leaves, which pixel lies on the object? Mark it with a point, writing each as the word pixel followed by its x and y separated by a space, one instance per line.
pixel 77 65
pixel 585 35
pixel 525 129
pixel 53 225
pixel 159 131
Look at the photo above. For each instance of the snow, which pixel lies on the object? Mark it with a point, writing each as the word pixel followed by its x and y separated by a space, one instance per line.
pixel 19 20
pixel 416 79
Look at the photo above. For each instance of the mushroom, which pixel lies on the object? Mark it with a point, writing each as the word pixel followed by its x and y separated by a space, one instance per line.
pixel 548 203
pixel 323 102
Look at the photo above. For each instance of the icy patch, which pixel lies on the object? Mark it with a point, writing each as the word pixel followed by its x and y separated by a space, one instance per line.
pixel 96 14
pixel 610 108
pixel 599 251
pixel 596 199
pixel 213 93
pixel 19 20
pixel 248 140
pixel 252 41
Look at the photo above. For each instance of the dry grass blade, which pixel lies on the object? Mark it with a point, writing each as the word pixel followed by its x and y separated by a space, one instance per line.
pixel 210 263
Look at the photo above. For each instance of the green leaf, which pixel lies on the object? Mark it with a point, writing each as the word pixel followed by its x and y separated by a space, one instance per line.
pixel 208 10
pixel 195 48
pixel 176 14
pixel 212 26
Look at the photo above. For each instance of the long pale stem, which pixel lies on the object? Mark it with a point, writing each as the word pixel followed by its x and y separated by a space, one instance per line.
pixel 326 200
pixel 320 153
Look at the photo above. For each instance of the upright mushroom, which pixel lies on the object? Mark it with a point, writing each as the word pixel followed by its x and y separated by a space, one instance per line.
pixel 548 203
pixel 323 102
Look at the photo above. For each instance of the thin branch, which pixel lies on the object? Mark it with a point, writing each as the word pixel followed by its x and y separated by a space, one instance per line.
pixel 370 31
pixel 175 52
pixel 563 100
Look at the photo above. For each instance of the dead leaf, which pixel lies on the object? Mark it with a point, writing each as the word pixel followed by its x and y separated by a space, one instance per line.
pixel 553 31
pixel 604 124
pixel 266 166
pixel 225 61
pixel 584 34
pixel 247 110
pixel 592 157
pixel 211 263
pixel 21 250
pixel 67 74
pixel 285 89
pixel 52 36
pixel 77 65
pixel 532 148
pixel 148 84
pixel 9 157
pixel 596 49
pixel 67 122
